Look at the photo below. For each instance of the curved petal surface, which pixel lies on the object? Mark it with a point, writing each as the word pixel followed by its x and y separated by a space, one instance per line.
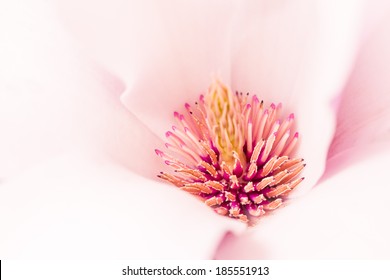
pixel 364 117
pixel 52 100
pixel 165 51
pixel 299 53
pixel 84 207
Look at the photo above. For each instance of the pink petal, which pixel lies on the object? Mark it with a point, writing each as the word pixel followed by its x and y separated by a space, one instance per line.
pixel 363 115
pixel 344 217
pixel 88 208
pixel 52 100
pixel 299 53
pixel 166 52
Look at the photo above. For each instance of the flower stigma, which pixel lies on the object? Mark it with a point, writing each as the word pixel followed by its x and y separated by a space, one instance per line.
pixel 233 153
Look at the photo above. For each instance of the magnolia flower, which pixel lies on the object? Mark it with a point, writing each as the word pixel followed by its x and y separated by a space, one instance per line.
pixel 88 91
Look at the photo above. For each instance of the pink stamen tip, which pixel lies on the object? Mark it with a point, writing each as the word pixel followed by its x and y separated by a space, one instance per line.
pixel 234 154
pixel 238 169
pixel 234 205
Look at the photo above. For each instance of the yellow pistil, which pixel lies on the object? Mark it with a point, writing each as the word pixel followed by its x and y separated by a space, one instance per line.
pixel 224 117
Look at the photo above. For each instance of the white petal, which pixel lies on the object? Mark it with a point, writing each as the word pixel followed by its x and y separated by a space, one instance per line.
pixel 345 216
pixel 86 208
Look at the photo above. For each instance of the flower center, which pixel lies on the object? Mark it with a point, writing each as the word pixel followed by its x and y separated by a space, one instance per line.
pixel 223 111
pixel 233 153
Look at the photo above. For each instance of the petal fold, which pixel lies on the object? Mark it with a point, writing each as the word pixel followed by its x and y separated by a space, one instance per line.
pixel 363 116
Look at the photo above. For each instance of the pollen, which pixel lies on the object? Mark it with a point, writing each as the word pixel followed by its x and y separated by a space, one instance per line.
pixel 233 153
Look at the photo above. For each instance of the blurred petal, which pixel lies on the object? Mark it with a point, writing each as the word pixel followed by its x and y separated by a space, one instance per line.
pixel 88 208
pixel 346 216
pixel 52 100
pixel 165 51
pixel 299 53
pixel 363 116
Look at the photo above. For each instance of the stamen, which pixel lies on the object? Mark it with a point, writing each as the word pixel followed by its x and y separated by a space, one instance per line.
pixel 257 197
pixel 268 147
pixel 264 183
pixel 273 204
pixel 233 153
pixel 249 187
pixel 255 210
pixel 200 186
pixel 214 200
pixel 290 146
pixel 244 199
pixel 269 166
